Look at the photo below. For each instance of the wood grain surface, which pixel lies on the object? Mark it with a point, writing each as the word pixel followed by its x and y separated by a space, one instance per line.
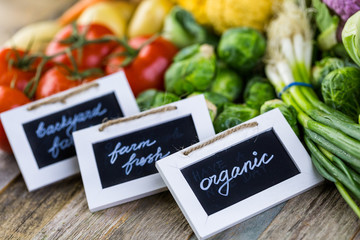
pixel 60 211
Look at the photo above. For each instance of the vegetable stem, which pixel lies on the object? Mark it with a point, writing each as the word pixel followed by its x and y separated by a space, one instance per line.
pixel 333 170
pixel 348 198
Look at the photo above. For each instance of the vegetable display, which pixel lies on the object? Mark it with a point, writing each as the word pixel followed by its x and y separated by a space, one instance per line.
pixel 173 49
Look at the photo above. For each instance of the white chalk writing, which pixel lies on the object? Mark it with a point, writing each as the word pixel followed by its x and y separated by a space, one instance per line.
pixel 224 178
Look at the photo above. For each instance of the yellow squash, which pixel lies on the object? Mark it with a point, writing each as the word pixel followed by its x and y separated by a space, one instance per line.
pixel 149 17
pixel 112 14
pixel 34 37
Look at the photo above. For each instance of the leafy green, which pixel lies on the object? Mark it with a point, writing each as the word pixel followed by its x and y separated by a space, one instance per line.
pixel 351 37
pixel 341 90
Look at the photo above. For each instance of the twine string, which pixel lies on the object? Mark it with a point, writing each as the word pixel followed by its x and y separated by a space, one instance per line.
pixel 220 136
pixel 143 114
pixel 63 97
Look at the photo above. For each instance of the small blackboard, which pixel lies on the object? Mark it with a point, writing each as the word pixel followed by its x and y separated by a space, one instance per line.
pixel 239 173
pixel 50 137
pixel 117 164
pixel 40 133
pixel 133 155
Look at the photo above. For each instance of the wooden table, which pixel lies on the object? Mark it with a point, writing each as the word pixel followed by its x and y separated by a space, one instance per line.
pixel 60 211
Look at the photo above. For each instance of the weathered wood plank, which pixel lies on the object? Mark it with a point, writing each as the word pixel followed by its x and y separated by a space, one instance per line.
pixel 24 213
pixel 249 229
pixel 8 170
pixel 155 217
pixel 320 213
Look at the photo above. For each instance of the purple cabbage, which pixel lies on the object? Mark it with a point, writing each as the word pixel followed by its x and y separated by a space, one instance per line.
pixel 344 9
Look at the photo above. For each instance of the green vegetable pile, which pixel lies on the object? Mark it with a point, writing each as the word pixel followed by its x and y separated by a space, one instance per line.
pixel 225 70
pixel 329 117
pixel 320 103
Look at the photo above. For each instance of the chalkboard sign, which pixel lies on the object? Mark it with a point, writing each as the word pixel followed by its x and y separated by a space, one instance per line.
pixel 117 163
pixel 50 137
pixel 40 133
pixel 133 155
pixel 241 172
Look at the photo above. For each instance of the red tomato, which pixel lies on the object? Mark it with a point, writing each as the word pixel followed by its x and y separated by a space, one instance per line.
pixel 9 98
pixel 16 68
pixel 88 56
pixel 148 68
pixel 58 79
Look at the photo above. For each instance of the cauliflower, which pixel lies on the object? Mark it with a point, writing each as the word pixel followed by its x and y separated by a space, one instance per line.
pixel 225 14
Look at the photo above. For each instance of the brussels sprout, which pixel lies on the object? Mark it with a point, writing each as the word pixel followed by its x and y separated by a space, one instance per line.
pixel 153 98
pixel 232 115
pixel 323 68
pixel 288 111
pixel 193 70
pixel 228 83
pixel 145 99
pixel 341 90
pixel 163 98
pixel 181 29
pixel 257 91
pixel 214 102
pixel 216 98
pixel 241 48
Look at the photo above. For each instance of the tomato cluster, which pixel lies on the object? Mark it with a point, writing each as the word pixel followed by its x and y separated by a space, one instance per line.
pixel 76 55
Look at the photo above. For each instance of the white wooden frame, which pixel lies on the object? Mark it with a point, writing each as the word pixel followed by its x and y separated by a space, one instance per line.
pixel 13 121
pixel 205 226
pixel 99 198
